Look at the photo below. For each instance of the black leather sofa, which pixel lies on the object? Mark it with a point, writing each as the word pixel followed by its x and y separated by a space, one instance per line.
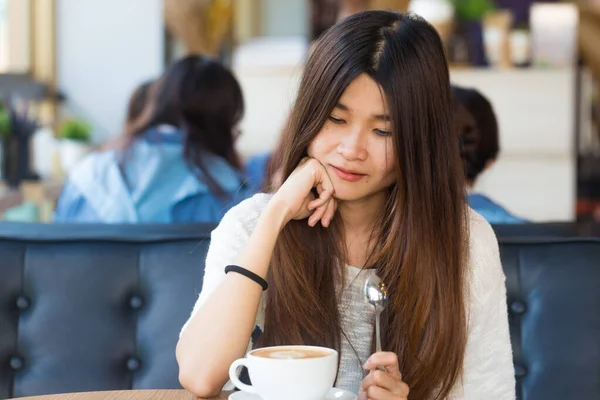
pixel 100 307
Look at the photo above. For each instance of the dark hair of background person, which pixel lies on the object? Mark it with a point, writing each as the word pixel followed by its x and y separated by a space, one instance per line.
pixel 421 235
pixel 477 133
pixel 204 100
pixel 138 102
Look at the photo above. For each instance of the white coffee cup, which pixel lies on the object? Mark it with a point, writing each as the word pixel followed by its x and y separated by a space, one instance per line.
pixel 288 372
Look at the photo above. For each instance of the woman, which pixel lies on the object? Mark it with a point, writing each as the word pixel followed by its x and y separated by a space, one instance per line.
pixel 478 132
pixel 180 165
pixel 372 183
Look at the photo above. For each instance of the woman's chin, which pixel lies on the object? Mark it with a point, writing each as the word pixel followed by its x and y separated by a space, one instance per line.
pixel 347 193
pixel 343 194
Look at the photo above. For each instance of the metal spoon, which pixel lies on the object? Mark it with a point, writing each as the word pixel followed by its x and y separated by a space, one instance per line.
pixel 377 294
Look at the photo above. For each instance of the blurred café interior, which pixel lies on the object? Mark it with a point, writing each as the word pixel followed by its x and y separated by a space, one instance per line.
pixel 69 70
pixel 67 65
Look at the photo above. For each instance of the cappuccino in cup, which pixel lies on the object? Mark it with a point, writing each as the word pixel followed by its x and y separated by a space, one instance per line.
pixel 288 372
pixel 286 353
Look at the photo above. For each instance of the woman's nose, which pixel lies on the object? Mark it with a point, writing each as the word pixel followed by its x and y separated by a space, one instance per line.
pixel 353 146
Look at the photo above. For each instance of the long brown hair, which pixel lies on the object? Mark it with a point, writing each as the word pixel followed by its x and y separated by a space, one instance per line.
pixel 422 232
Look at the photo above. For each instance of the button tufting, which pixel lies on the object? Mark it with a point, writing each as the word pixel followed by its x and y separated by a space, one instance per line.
pixel 520 371
pixel 518 307
pixel 16 363
pixel 133 364
pixel 136 302
pixel 22 303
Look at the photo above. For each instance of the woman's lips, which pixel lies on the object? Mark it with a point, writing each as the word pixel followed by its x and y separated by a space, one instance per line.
pixel 346 175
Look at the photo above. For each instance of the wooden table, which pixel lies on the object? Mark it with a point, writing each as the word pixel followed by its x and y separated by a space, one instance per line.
pixel 126 395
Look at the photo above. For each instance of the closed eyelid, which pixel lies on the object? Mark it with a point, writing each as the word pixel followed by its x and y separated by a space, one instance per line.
pixel 382 132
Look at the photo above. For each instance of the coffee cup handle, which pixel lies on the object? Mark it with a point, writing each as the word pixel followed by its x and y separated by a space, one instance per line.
pixel 236 380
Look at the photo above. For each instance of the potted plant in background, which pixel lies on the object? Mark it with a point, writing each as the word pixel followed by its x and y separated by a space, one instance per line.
pixel 17 127
pixel 469 15
pixel 4 123
pixel 75 138
pixel 4 136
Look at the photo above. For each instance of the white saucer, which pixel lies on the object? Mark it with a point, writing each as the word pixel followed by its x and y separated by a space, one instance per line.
pixel 334 394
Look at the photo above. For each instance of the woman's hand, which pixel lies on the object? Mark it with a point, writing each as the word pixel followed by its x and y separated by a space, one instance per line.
pixel 383 385
pixel 297 198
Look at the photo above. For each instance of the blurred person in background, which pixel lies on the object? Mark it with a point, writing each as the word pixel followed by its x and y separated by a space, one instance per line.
pixel 477 127
pixel 138 111
pixel 138 103
pixel 179 166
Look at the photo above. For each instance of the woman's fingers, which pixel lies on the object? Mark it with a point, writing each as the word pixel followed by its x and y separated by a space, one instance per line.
pixel 317 215
pixel 324 213
pixel 308 177
pixel 383 380
pixel 331 209
pixel 305 210
pixel 324 196
pixel 325 205
pixel 323 186
pixel 387 359
pixel 379 393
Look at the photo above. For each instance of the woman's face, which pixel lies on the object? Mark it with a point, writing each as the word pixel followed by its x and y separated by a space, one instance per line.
pixel 355 144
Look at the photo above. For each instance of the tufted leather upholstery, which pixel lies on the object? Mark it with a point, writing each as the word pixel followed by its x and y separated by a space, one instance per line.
pixel 553 290
pixel 94 307
pixel 100 307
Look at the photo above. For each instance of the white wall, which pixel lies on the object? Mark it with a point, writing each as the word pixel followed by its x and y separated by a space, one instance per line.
pixel 285 17
pixel 4 44
pixel 19 17
pixel 105 48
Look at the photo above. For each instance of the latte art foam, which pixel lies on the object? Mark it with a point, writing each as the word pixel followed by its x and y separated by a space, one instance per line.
pixel 287 355
pixel 291 354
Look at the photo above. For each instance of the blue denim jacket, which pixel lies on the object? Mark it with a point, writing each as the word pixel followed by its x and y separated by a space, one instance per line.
pixel 256 169
pixel 491 211
pixel 153 185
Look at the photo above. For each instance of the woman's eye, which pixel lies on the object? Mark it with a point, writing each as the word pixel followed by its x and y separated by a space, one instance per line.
pixel 381 132
pixel 336 120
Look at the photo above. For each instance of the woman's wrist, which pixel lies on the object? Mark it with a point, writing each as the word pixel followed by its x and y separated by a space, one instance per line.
pixel 277 214
pixel 257 255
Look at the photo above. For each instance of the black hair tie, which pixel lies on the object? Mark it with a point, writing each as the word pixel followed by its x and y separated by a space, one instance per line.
pixel 248 274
